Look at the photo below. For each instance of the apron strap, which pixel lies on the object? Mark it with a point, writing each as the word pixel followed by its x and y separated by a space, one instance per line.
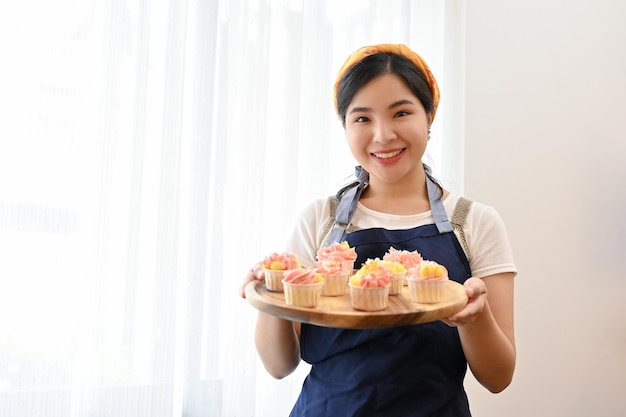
pixel 350 198
pixel 347 205
pixel 437 209
pixel 458 220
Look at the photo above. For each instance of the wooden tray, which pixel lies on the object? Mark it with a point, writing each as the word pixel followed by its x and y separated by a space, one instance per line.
pixel 337 311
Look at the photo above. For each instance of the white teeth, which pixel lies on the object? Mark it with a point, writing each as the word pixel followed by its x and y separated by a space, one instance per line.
pixel 387 155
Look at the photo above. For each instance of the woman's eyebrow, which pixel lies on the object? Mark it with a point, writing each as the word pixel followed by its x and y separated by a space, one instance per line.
pixel 360 109
pixel 391 106
pixel 400 103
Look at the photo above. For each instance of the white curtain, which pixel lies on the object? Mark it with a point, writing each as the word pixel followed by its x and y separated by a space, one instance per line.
pixel 150 152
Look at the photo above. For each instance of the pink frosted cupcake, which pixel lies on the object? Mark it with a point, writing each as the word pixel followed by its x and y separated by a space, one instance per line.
pixel 427 282
pixel 275 266
pixel 408 259
pixel 335 276
pixel 369 287
pixel 338 252
pixel 303 287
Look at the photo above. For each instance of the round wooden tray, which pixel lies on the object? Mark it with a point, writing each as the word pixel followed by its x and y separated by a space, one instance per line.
pixel 337 311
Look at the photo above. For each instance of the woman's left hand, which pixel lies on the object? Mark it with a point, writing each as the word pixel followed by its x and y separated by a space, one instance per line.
pixel 477 298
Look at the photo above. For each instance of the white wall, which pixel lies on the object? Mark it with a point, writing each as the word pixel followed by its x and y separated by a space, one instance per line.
pixel 546 145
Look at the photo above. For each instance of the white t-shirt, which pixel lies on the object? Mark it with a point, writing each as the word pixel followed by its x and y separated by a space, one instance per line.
pixel 485 234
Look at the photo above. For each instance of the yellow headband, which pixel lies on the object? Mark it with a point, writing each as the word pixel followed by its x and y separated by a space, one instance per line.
pixel 397 49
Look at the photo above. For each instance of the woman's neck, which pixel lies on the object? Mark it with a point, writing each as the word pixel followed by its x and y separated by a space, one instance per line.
pixel 406 197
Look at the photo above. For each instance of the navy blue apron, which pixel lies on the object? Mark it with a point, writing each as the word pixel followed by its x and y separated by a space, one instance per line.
pixel 415 370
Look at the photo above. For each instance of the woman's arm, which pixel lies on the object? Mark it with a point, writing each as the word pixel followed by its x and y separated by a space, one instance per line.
pixel 278 345
pixel 486 329
pixel 277 340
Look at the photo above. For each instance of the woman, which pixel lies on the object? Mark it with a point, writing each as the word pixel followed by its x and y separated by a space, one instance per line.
pixel 386 99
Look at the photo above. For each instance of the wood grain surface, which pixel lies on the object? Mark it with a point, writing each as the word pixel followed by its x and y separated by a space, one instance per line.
pixel 337 311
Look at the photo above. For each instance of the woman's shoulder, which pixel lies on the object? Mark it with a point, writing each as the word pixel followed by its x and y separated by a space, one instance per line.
pixel 313 224
pixel 476 209
pixel 321 207
pixel 316 214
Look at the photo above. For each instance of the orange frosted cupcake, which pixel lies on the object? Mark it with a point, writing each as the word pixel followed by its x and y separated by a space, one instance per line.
pixel 302 287
pixel 369 287
pixel 427 282
pixel 275 266
pixel 338 252
pixel 408 259
pixel 335 276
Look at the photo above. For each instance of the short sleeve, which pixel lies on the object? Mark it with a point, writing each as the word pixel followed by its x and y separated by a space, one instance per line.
pixel 488 242
pixel 308 232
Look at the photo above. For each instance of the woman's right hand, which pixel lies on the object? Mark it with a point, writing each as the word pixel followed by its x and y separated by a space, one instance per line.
pixel 255 273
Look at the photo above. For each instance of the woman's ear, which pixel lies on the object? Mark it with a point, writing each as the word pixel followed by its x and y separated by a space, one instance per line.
pixel 430 123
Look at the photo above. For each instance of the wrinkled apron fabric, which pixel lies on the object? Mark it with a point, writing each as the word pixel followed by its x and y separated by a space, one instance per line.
pixel 415 370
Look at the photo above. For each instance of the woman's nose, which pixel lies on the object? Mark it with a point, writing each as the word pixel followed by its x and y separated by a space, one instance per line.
pixel 383 132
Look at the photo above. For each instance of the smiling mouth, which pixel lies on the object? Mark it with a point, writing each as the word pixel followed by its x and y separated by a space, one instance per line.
pixel 388 155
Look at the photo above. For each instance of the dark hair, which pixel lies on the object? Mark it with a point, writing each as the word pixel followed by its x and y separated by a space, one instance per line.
pixel 371 67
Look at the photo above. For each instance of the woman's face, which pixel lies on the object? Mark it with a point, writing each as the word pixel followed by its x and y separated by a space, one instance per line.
pixel 387 129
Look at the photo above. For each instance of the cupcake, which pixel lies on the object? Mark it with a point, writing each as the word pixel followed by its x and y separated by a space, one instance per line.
pixel 302 287
pixel 427 282
pixel 369 287
pixel 335 276
pixel 398 274
pixel 408 259
pixel 275 266
pixel 338 252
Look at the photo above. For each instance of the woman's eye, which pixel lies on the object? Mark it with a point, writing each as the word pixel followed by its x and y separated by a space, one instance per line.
pixel 402 113
pixel 361 119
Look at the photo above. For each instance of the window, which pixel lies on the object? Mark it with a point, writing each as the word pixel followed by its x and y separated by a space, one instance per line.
pixel 151 152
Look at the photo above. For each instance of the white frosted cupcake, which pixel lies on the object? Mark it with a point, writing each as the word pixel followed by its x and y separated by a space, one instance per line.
pixel 274 267
pixel 427 282
pixel 369 287
pixel 302 287
pixel 335 276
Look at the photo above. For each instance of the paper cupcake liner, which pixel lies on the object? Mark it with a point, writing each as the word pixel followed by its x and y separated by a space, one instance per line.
pixel 427 291
pixel 302 295
pixel 369 299
pixel 335 285
pixel 397 282
pixel 274 280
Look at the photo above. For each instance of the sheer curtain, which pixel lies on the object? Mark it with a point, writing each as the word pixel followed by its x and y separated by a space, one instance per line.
pixel 150 152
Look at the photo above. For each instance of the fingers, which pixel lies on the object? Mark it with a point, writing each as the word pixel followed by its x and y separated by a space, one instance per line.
pixel 250 276
pixel 477 297
pixel 255 273
pixel 449 322
pixel 475 287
